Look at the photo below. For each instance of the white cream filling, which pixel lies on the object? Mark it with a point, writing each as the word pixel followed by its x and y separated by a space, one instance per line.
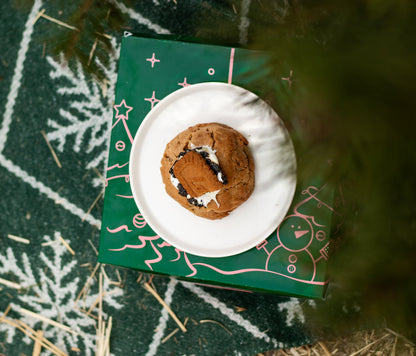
pixel 206 198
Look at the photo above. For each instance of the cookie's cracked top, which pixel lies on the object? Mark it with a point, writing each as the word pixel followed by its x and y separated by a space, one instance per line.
pixel 208 169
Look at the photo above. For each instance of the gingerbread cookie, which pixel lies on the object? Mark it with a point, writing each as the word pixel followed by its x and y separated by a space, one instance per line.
pixel 208 169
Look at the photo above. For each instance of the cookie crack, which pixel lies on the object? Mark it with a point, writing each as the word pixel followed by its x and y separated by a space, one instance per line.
pixel 213 139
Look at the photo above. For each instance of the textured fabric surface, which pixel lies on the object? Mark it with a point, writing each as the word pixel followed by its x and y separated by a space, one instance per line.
pixel 46 204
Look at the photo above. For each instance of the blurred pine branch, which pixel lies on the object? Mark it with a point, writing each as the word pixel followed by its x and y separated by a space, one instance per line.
pixel 87 39
pixel 351 102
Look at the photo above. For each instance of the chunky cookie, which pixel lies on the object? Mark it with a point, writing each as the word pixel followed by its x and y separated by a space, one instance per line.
pixel 208 169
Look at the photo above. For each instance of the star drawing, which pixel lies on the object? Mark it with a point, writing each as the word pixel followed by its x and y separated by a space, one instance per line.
pixel 184 84
pixel 153 60
pixel 123 110
pixel 152 100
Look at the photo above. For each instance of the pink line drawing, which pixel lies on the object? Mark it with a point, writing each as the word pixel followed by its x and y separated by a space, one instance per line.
pixel 117 166
pixel 324 252
pixel 155 260
pixel 143 240
pixel 127 130
pixel 190 265
pixel 178 255
pixel 126 107
pixel 262 245
pixel 218 270
pixel 230 70
pixel 314 264
pixel 120 145
pixel 184 83
pixel 152 100
pixel 125 176
pixel 153 60
pixel 123 117
pixel 164 244
pixel 118 229
pixel 312 192
pixel 125 196
pixel 289 78
pixel 139 221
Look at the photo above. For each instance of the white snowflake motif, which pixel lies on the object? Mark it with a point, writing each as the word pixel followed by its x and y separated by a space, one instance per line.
pixel 293 310
pixel 88 115
pixel 51 293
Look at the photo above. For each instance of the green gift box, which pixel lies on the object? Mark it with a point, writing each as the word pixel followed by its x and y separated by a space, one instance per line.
pixel 291 261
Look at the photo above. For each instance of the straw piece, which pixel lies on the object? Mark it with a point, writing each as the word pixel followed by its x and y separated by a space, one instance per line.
pixel 93 247
pixel 58 22
pixel 103 332
pixel 400 336
pixel 323 346
pixel 85 312
pixel 28 331
pixel 97 172
pixel 239 309
pixel 55 157
pixel 44 341
pixel 170 335
pixel 216 322
pixel 294 352
pixel 368 346
pixel 118 277
pixel 6 311
pixel 39 14
pixel 10 284
pixel 315 352
pixel 18 239
pixel 161 301
pixel 87 283
pixel 393 351
pixel 92 205
pixel 46 320
pixel 104 294
pixel 100 305
pixel 49 243
pixel 94 46
pixel 106 347
pixel 66 245
pixel 139 278
pixel 109 281
pixel 104 35
pixel 105 274
pixel 38 345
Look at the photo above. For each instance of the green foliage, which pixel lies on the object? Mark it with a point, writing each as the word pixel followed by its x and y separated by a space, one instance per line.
pixel 91 23
pixel 351 103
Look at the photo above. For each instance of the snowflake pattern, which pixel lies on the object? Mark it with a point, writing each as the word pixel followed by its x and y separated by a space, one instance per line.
pixel 87 118
pixel 51 292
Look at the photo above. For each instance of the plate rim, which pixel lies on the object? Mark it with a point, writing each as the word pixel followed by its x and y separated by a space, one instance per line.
pixel 146 122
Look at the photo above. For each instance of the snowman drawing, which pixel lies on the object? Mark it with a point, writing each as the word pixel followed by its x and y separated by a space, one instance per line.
pixel 294 235
pixel 292 256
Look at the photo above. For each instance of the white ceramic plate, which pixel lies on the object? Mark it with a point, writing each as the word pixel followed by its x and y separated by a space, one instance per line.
pixel 275 169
